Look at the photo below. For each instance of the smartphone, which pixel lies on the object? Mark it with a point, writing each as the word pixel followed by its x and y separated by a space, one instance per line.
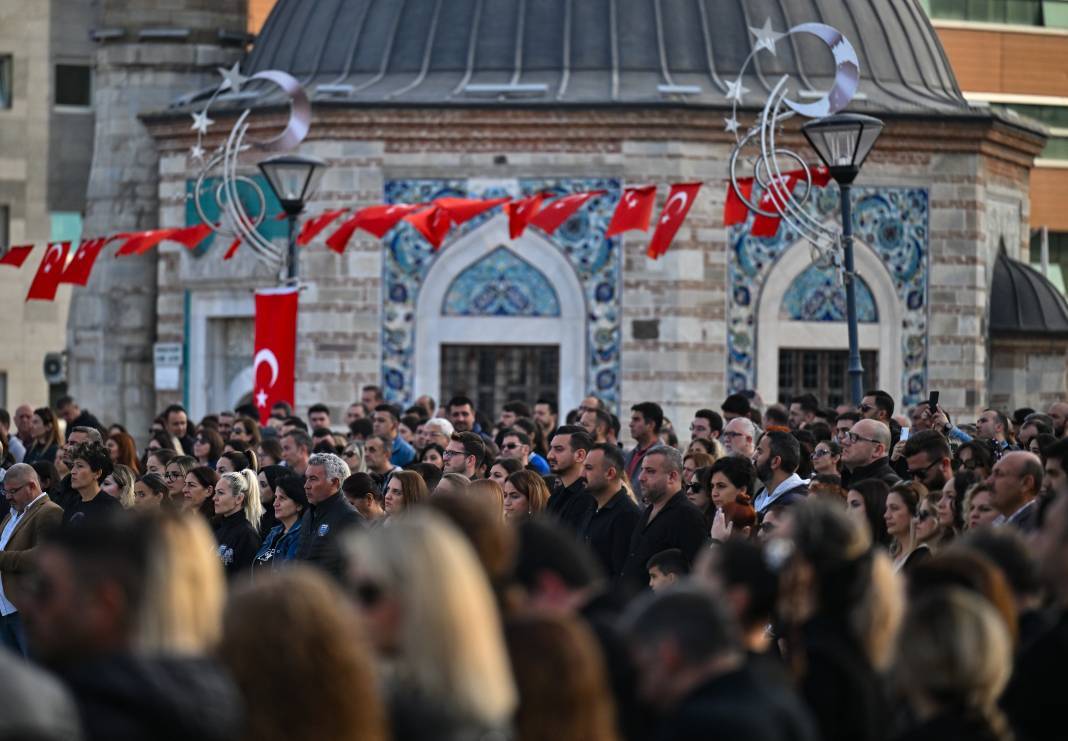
pixel 904 435
pixel 932 401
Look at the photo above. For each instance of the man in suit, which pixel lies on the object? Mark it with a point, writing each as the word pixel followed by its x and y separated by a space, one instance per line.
pixel 30 517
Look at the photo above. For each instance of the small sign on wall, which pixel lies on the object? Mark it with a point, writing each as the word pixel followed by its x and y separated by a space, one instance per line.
pixel 168 363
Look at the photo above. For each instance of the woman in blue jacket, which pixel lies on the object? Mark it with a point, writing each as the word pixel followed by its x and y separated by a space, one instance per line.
pixel 280 544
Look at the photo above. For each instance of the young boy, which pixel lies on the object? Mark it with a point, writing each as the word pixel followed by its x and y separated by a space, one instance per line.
pixel 666 568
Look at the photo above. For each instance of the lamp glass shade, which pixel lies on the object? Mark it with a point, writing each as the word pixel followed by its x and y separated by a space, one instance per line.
pixel 292 178
pixel 843 141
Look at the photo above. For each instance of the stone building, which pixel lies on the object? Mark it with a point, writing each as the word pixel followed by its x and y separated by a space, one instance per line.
pixel 413 101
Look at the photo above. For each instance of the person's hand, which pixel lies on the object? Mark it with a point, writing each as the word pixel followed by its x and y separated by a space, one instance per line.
pixel 721 529
pixel 940 420
pixel 899 450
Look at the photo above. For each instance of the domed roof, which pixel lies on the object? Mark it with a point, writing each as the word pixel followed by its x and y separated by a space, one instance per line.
pixel 1023 301
pixel 598 52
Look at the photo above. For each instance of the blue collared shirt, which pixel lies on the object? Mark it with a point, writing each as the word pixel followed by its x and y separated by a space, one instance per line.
pixel 403 453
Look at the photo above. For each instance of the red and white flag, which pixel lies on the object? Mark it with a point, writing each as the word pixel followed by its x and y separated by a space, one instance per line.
pixel 46 281
pixel 15 256
pixel 433 223
pixel 138 243
pixel 773 199
pixel 734 209
pixel 634 211
pixel 521 212
pixel 556 213
pixel 376 220
pixel 232 249
pixel 275 360
pixel 465 209
pixel 679 201
pixel 190 236
pixel 312 227
pixel 81 265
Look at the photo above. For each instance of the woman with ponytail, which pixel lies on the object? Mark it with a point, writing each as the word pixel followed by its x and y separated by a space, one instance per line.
pixel 237 515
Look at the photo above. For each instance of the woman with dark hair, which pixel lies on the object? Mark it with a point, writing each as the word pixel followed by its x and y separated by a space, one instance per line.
pixel 149 492
pixel 434 454
pixel 45 434
pixel 90 465
pixel 49 477
pixel 902 516
pixel 525 495
pixel 159 441
pixel 156 461
pixel 198 491
pixel 207 447
pixel 360 491
pixel 866 501
pixel 729 485
pixel 951 501
pixel 270 452
pixel 405 489
pixel 975 456
pixel 280 543
pixel 123 450
pixel 232 461
pixel 1039 443
pixel 827 458
pixel 246 429
pixel 502 468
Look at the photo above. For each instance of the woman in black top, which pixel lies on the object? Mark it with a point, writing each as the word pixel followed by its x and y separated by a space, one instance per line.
pixel 45 434
pixel 237 537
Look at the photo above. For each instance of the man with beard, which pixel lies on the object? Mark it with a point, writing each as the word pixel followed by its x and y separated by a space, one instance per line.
pixel 569 502
pixel 609 525
pixel 778 455
pixel 929 459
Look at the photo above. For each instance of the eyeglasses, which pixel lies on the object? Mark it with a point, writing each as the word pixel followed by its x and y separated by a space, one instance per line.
pixel 853 437
pixel 451 454
pixel 12 489
pixel 866 408
pixel 349 453
pixel 923 515
pixel 820 454
pixel 731 433
pixel 694 487
pixel 920 473
pixel 510 446
pixel 168 476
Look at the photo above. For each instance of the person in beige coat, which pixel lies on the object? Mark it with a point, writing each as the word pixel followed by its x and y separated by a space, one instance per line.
pixel 31 515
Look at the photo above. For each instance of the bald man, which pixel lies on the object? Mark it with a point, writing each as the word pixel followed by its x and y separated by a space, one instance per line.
pixel 1016 481
pixel 32 515
pixel 1058 412
pixel 865 453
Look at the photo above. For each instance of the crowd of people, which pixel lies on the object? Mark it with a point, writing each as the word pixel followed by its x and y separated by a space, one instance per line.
pixel 790 572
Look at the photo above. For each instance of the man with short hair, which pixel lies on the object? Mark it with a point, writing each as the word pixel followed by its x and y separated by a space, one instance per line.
pixel 464 454
pixel 803 411
pixel 328 515
pixel 18 450
pixel 569 501
pixel 666 569
pixel 994 425
pixel 376 454
pixel 67 408
pixel 463 416
pixel 438 431
pixel 515 444
pixel 355 411
pixel 877 405
pixel 226 423
pixel 706 425
pixel 296 447
pixel 176 422
pixel 386 421
pixel 776 415
pixel 23 420
pixel 739 438
pixel 777 458
pixel 1034 425
pixel 591 403
pixel 611 521
pixel 31 517
pixel 1016 481
pixel 864 454
pixel 545 415
pixel 691 668
pixel 670 520
pixel 596 422
pixel 319 416
pixel 843 425
pixel 929 459
pixel 281 410
pixel 371 396
pixel 646 419
pixel 1055 475
pixel 734 406
pixel 1058 412
pixel 510 412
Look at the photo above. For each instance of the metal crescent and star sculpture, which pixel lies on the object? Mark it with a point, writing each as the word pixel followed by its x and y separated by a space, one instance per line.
pixel 237 223
pixel 779 200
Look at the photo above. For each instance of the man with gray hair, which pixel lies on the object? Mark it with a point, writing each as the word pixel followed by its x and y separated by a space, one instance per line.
pixel 670 520
pixel 328 514
pixel 739 438
pixel 31 517
pixel 438 430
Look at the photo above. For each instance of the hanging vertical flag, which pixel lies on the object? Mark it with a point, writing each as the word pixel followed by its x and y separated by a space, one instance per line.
pixel 433 223
pixel 556 213
pixel 679 201
pixel 465 209
pixel 46 281
pixel 312 227
pixel 521 212
pixel 81 265
pixel 274 362
pixel 15 256
pixel 734 209
pixel 634 211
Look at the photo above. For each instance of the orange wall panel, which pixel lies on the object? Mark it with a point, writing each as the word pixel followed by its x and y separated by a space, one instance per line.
pixel 258 10
pixel 987 61
pixel 1049 198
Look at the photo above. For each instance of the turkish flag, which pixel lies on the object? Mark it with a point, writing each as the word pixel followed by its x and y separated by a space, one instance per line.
pixel 274 362
pixel 138 243
pixel 376 220
pixel 190 236
pixel 82 264
pixel 734 210
pixel 773 199
pixel 556 213
pixel 521 212
pixel 465 209
pixel 46 281
pixel 634 211
pixel 433 223
pixel 821 176
pixel 232 249
pixel 15 256
pixel 679 201
pixel 312 227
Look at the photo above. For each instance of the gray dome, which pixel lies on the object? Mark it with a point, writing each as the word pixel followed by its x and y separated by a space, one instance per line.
pixel 1023 301
pixel 597 52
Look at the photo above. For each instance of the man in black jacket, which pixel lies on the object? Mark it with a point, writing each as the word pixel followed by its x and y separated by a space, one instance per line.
pixel 328 515
pixel 610 523
pixel 569 502
pixel 74 416
pixel 670 520
pixel 865 454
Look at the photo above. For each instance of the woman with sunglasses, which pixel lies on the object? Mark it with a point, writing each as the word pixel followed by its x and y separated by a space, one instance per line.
pixel 975 456
pixel 827 458
pixel 352 454
pixel 929 529
pixel 902 517
pixel 207 447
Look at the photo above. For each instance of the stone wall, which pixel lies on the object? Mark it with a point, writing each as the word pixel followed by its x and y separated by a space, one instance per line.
pixel 1027 372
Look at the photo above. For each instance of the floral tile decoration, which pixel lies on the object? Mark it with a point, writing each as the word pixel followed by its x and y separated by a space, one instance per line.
pixel 894 221
pixel 501 284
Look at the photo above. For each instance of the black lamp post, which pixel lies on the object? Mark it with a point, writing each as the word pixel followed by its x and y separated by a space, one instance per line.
pixel 293 179
pixel 843 142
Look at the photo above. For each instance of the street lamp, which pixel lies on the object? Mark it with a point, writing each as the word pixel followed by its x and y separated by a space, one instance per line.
pixel 843 142
pixel 292 178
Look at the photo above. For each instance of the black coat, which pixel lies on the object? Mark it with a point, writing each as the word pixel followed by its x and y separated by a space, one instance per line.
pixel 79 512
pixel 880 469
pixel 607 530
pixel 1035 695
pixel 320 531
pixel 678 525
pixel 238 542
pixel 952 726
pixel 571 505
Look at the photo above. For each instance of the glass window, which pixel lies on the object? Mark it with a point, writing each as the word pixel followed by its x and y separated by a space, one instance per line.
pixel 74 85
pixel 5 80
pixel 1058 256
pixel 1053 13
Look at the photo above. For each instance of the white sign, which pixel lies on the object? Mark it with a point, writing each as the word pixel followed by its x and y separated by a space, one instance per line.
pixel 168 360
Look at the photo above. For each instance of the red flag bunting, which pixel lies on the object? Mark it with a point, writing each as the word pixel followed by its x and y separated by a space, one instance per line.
pixel 312 227
pixel 433 223
pixel 734 210
pixel 77 272
pixel 556 213
pixel 15 256
pixel 138 243
pixel 274 362
pixel 232 249
pixel 521 212
pixel 634 211
pixel 376 220
pixel 46 281
pixel 465 209
pixel 190 236
pixel 680 199
pixel 772 199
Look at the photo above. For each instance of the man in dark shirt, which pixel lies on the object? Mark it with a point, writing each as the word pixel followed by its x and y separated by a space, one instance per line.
pixel 670 520
pixel 328 515
pixel 75 416
pixel 611 522
pixel 569 502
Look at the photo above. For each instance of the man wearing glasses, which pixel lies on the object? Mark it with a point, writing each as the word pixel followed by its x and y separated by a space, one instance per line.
pixel 864 454
pixel 32 515
pixel 929 459
pixel 516 444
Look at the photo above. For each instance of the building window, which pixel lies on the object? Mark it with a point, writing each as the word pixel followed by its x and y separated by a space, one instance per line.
pixel 1051 13
pixel 493 375
pixel 1057 266
pixel 5 80
pixel 822 373
pixel 74 85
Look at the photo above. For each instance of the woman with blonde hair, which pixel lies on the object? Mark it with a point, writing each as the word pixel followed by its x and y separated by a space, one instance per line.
pixel 840 604
pixel 237 515
pixel 434 621
pixel 525 495
pixel 954 659
pixel 406 489
pixel 902 517
pixel 120 485
pixel 490 493
pixel 283 631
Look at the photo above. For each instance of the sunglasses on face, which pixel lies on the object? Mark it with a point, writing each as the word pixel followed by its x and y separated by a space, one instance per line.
pixel 924 515
pixel 510 446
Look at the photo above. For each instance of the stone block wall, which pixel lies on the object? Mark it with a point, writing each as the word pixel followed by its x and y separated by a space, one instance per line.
pixel 1027 372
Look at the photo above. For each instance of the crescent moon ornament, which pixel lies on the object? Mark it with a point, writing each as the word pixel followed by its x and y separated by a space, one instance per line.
pixel 846 74
pixel 268 357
